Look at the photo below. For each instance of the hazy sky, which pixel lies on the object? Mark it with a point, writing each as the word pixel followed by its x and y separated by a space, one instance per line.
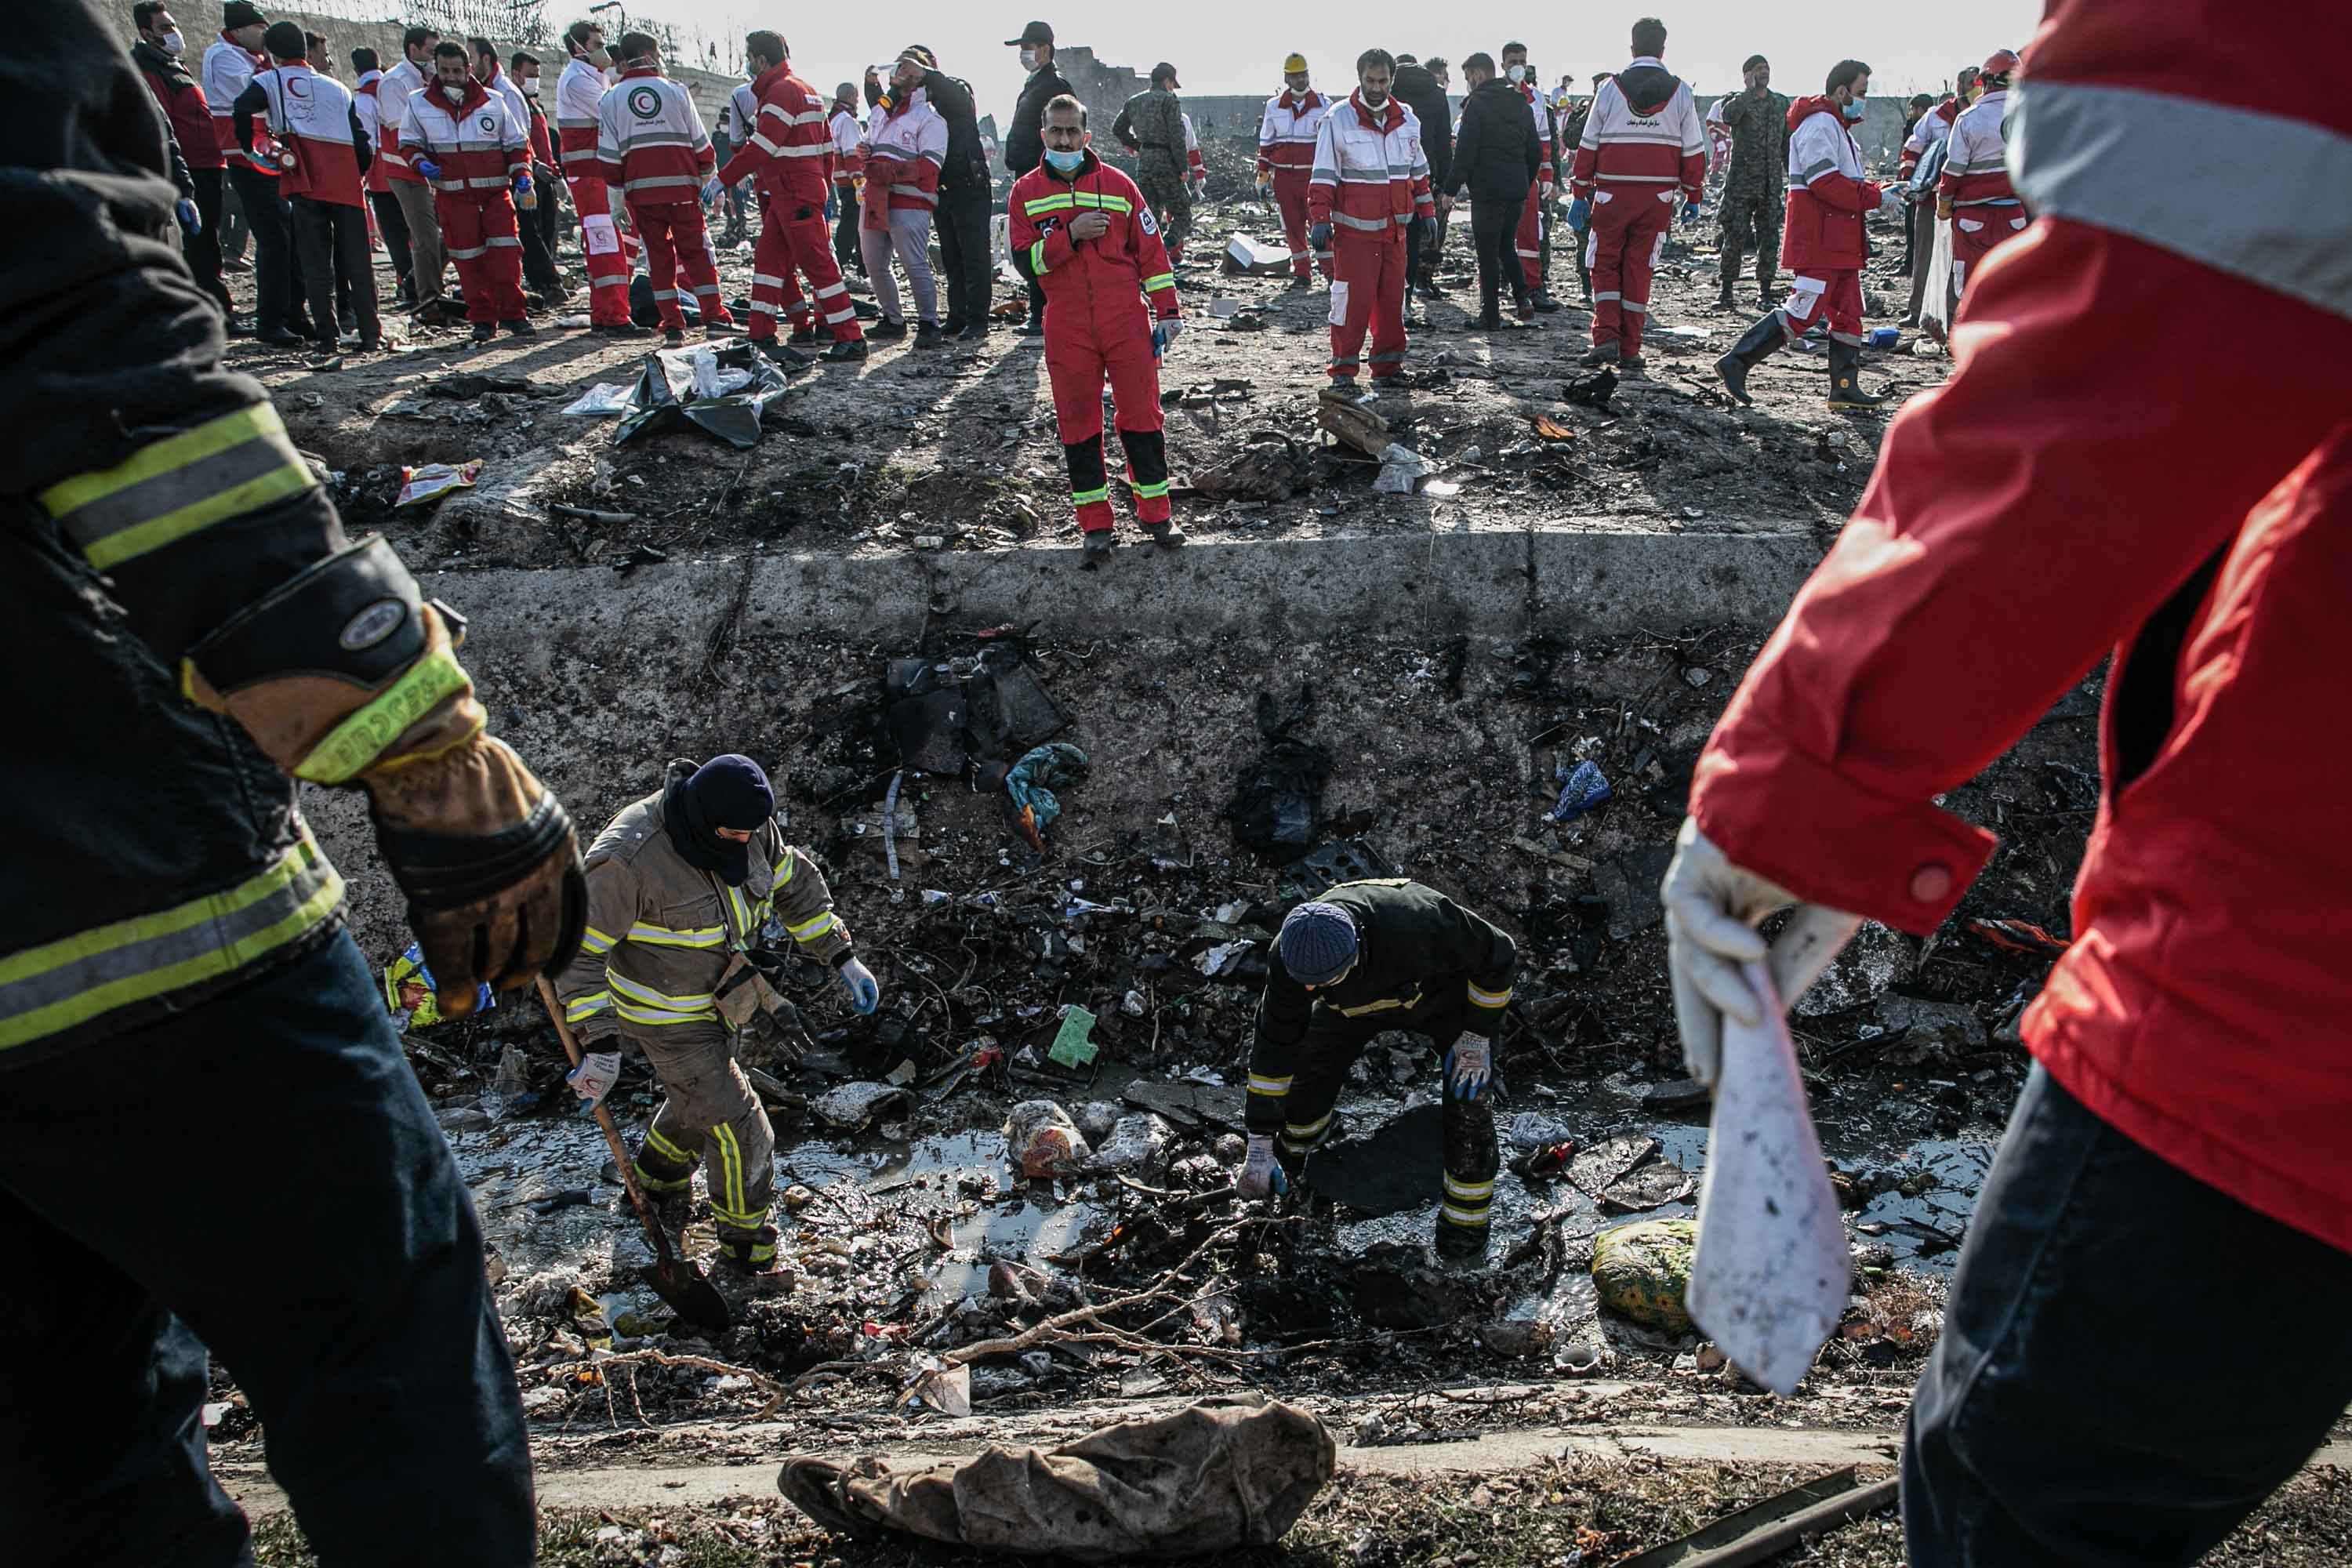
pixel 1236 45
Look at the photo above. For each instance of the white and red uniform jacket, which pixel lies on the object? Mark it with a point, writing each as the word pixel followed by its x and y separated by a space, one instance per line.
pixel 1718 138
pixel 579 98
pixel 1931 128
pixel 1285 136
pixel 392 115
pixel 906 147
pixel 650 141
pixel 1196 172
pixel 1546 133
pixel 505 87
pixel 478 144
pixel 2080 489
pixel 1645 146
pixel 1828 198
pixel 786 146
pixel 849 163
pixel 371 112
pixel 229 69
pixel 1370 175
pixel 1976 166
pixel 315 118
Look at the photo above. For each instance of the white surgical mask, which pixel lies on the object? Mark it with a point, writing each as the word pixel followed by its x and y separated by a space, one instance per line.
pixel 174 44
pixel 453 94
pixel 530 87
pixel 1856 109
pixel 1518 74
pixel 1028 59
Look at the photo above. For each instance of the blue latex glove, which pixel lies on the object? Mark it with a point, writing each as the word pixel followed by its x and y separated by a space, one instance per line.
pixel 1318 234
pixel 865 990
pixel 522 183
pixel 1468 1065
pixel 1579 214
pixel 1690 212
pixel 1163 335
pixel 428 168
pixel 832 205
pixel 710 191
pixel 191 222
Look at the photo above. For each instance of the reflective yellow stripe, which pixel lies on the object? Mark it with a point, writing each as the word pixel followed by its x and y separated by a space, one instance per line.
pixel 1150 491
pixel 178 486
pixel 654 1019
pixel 363 735
pixel 595 941
pixel 1261 1084
pixel 1308 1128
pixel 1477 1218
pixel 637 991
pixel 1083 497
pixel 1469 1190
pixel 664 1146
pixel 810 930
pixel 1489 998
pixel 730 1161
pixel 587 1006
pixel 1037 257
pixel 784 869
pixel 671 936
pixel 1107 204
pixel 1381 1007
pixel 1049 204
pixel 1159 280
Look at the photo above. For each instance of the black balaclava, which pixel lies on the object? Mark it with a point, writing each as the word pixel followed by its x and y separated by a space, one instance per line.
pixel 725 792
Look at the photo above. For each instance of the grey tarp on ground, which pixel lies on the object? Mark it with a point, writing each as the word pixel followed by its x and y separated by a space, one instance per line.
pixel 1216 1475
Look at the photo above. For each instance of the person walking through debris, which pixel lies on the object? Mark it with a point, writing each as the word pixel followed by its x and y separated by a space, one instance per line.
pixel 420 217
pixel 1368 186
pixel 651 146
pixel 1152 126
pixel 846 126
pixel 1529 242
pixel 1082 231
pixel 1824 243
pixel 464 140
pixel 1422 89
pixel 1643 152
pixel 683 887
pixel 1495 158
pixel 1363 959
pixel 2182 1132
pixel 161 56
pixel 279 317
pixel 322 159
pixel 1757 118
pixel 1974 194
pixel 1024 140
pixel 537 259
pixel 1285 158
pixel 174 956
pixel 905 151
pixel 789 152
pixel 604 248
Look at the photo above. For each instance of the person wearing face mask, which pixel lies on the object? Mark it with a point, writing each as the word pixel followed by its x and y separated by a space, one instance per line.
pixel 651 147
pixel 546 176
pixel 367 98
pixel 1643 154
pixel 1286 152
pixel 159 55
pixel 1353 964
pixel 1757 118
pixel 1368 188
pixel 323 157
pixel 428 257
pixel 905 149
pixel 1974 194
pixel 1534 292
pixel 684 887
pixel 608 249
pixel 466 142
pixel 538 257
pixel 789 152
pixel 1828 201
pixel 1494 160
pixel 1024 140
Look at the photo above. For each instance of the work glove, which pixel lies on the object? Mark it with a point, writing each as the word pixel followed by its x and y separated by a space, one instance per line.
pixel 522 186
pixel 1579 214
pixel 768 1029
pixel 1690 212
pixel 1260 1174
pixel 1165 333
pixel 1713 908
pixel 865 990
pixel 710 191
pixel 191 222
pixel 1944 209
pixel 1468 1067
pixel 428 168
pixel 594 1076
pixel 1891 200
pixel 1318 234
pixel 832 205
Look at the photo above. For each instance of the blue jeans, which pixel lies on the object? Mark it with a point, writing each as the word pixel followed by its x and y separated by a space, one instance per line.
pixel 259 1177
pixel 2131 1361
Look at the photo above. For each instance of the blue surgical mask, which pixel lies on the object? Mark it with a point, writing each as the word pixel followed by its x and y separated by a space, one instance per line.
pixel 1856 109
pixel 1065 163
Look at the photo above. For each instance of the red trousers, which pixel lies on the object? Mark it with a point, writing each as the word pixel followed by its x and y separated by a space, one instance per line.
pixel 1529 240
pixel 478 231
pixel 676 239
pixel 1977 232
pixel 1833 297
pixel 605 248
pixel 1290 197
pixel 794 236
pixel 1621 252
pixel 1368 292
pixel 1083 351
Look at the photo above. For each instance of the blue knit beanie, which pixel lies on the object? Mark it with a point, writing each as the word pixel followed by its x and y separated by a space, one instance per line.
pixel 1317 943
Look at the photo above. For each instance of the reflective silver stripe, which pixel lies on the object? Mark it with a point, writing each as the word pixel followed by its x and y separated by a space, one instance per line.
pixel 1373 226
pixel 761 279
pixel 2232 188
pixel 651 181
pixel 665 293
pixel 843 315
pixel 575 125
pixel 660 139
pixel 467 255
pixel 813 150
pixel 496 240
pixel 1646 179
pixel 832 289
pixel 581 155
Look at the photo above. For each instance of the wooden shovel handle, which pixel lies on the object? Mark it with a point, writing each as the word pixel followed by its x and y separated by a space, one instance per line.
pixel 621 1160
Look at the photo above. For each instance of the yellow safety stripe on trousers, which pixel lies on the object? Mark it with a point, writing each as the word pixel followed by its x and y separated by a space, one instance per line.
pixel 1159 280
pixel 48 989
pixel 641 1004
pixel 728 1203
pixel 178 486
pixel 1083 498
pixel 1469 1192
pixel 1382 1005
pixel 1315 1129
pixel 594 942
pixel 1476 1220
pixel 1489 998
pixel 664 1147
pixel 357 742
pixel 1259 1083
pixel 648 1182
pixel 674 936
pixel 584 1007
pixel 1149 492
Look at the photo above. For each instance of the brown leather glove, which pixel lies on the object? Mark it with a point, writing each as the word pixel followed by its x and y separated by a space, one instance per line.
pixel 1944 209
pixel 346 678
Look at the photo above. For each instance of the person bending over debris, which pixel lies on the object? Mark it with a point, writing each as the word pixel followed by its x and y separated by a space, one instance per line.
pixel 1081 230
pixel 2098 1397
pixel 681 887
pixel 467 144
pixel 173 960
pixel 1365 958
pixel 650 143
pixel 1367 191
pixel 789 151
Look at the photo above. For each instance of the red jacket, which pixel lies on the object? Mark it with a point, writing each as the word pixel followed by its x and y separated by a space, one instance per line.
pixel 2083 486
pixel 316 120
pixel 1828 197
pixel 478 146
pixel 789 148
pixel 1093 280
pixel 182 98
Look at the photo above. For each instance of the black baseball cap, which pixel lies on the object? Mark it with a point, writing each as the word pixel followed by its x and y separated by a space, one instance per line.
pixel 1034 33
pixel 1164 69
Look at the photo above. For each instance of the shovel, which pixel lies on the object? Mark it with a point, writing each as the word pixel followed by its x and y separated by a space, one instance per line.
pixel 673 1280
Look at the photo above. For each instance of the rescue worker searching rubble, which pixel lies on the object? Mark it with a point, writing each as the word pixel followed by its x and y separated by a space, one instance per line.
pixel 684 887
pixel 1365 958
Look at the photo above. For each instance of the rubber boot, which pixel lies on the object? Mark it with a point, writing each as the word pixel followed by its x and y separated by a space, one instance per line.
pixel 1723 299
pixel 1845 379
pixel 1764 290
pixel 1461 1246
pixel 749 1252
pixel 1767 335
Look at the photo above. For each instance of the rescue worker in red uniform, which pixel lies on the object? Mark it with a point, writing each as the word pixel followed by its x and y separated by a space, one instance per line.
pixel 1536 293
pixel 2084 487
pixel 1821 242
pixel 1370 183
pixel 465 141
pixel 790 152
pixel 1081 231
pixel 1285 156
pixel 651 146
pixel 607 249
pixel 1643 152
pixel 1973 193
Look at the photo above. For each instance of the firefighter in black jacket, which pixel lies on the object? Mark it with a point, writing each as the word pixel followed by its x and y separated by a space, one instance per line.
pixel 209 1139
pixel 1024 140
pixel 1364 958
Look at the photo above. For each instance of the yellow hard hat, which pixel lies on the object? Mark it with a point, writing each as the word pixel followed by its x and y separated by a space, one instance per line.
pixel 1293 64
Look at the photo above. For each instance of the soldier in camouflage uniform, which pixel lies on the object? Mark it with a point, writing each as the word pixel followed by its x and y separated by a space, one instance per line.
pixel 1151 127
pixel 1753 194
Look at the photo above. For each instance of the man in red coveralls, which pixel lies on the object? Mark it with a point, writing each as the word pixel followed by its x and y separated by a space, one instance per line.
pixel 652 148
pixel 1082 232
pixel 1643 151
pixel 2097 1397
pixel 468 143
pixel 789 151
pixel 1370 185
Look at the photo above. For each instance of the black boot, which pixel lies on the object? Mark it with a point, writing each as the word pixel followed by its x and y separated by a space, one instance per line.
pixel 1761 339
pixel 1764 290
pixel 1723 299
pixel 1845 379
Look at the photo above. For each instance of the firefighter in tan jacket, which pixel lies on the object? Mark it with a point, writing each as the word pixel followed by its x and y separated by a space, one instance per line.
pixel 681 885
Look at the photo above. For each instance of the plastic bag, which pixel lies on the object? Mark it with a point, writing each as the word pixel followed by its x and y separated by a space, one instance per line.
pixel 434 481
pixel 1937 308
pixel 602 400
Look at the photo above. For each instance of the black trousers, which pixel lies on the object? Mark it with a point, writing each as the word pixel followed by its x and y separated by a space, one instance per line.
pixel 277 296
pixel 535 229
pixel 1493 224
pixel 392 224
pixel 204 250
pixel 844 232
pixel 333 241
pixel 2097 1398
pixel 336 1274
pixel 963 227
pixel 234 233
